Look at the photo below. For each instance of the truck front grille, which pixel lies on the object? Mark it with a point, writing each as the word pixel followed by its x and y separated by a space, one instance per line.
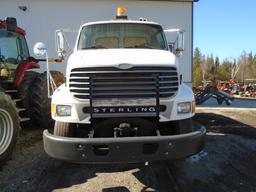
pixel 138 82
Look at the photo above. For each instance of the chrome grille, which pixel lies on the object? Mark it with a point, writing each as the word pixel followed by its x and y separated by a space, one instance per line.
pixel 138 82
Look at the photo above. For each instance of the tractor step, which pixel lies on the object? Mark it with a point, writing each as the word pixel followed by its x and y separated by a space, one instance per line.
pixel 11 91
pixel 14 94
pixel 23 113
pixel 21 109
pixel 24 119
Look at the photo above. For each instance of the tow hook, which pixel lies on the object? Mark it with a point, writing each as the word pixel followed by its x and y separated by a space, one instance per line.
pixel 125 130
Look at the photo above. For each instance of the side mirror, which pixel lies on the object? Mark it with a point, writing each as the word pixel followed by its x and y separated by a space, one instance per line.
pixel 180 43
pixel 39 49
pixel 177 43
pixel 60 44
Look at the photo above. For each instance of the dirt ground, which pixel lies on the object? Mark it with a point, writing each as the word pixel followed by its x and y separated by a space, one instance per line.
pixel 228 163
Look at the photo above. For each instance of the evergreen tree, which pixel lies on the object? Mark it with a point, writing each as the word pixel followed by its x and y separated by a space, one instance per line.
pixel 197 71
pixel 216 65
pixel 224 73
pixel 251 72
pixel 210 68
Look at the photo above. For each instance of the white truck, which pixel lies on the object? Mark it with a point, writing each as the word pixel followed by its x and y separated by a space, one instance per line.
pixel 124 99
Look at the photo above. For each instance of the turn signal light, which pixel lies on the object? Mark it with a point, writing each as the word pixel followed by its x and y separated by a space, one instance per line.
pixel 193 106
pixel 53 109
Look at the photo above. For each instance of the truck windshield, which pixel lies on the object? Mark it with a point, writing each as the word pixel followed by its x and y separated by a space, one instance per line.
pixel 13 47
pixel 122 35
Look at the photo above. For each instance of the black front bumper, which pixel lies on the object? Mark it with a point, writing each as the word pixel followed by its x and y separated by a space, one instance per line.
pixel 125 149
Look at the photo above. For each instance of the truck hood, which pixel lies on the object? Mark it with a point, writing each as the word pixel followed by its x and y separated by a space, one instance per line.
pixel 115 57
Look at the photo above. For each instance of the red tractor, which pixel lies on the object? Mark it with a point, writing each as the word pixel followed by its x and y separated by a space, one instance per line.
pixel 23 92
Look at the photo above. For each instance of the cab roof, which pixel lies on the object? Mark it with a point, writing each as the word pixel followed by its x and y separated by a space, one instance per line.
pixel 121 21
pixel 3 25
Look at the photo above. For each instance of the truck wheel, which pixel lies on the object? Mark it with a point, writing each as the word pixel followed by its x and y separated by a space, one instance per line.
pixel 25 86
pixel 62 129
pixel 40 104
pixel 9 124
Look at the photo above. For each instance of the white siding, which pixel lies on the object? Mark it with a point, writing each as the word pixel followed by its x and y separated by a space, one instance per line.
pixel 43 17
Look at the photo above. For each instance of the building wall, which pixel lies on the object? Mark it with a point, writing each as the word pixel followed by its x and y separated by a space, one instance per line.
pixel 43 17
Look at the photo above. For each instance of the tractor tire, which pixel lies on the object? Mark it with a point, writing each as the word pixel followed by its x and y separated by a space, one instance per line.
pixel 62 129
pixel 9 127
pixel 40 104
pixel 25 87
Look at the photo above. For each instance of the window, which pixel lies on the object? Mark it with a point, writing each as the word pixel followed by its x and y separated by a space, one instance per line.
pixel 13 47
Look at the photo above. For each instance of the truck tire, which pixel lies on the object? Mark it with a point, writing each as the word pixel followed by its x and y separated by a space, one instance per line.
pixel 25 87
pixel 62 129
pixel 9 124
pixel 40 104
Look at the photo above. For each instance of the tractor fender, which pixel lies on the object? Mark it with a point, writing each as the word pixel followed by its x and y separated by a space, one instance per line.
pixel 23 67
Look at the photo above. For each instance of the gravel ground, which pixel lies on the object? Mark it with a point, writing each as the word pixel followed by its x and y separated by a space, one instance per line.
pixel 228 163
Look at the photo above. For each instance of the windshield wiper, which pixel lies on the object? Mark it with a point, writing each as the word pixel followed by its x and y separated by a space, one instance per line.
pixel 142 46
pixel 94 47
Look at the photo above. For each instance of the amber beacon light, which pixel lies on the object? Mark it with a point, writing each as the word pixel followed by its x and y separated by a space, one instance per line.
pixel 121 13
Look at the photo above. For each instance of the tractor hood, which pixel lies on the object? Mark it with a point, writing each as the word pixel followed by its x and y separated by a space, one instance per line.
pixel 115 57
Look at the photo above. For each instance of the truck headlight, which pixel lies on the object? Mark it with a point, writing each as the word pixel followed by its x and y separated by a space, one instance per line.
pixel 184 107
pixel 63 110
